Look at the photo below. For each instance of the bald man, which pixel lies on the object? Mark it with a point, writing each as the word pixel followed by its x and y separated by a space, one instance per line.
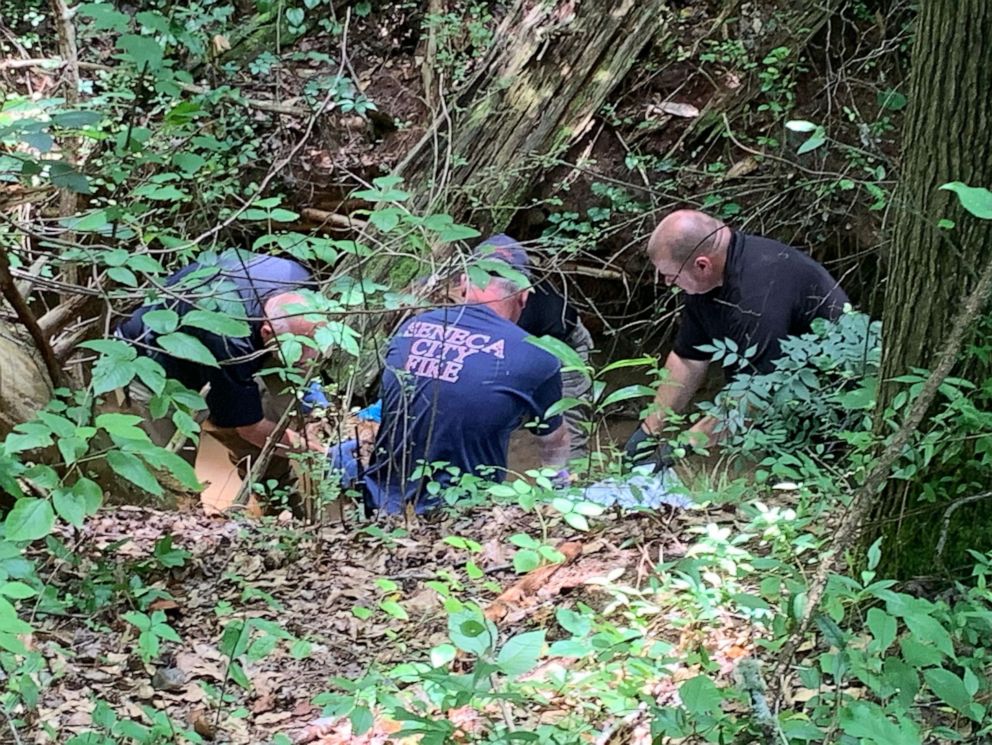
pixel 263 292
pixel 750 290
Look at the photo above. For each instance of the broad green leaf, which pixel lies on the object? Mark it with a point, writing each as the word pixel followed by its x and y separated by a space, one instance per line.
pixel 626 393
pixel 576 520
pixel 929 629
pixel 90 493
pixel 861 719
pixel 111 373
pixel 361 717
pixel 76 119
pixel 573 622
pixel 883 628
pixel 17 590
pixel 700 695
pixel 126 426
pixel 29 520
pixel 526 560
pixel 633 362
pixel 949 688
pixel 217 323
pixel 815 140
pixel 141 50
pixel 563 405
pixel 163 321
pixel 130 467
pixel 394 609
pixel 104 16
pixel 187 347
pixel 975 199
pixel 520 653
pixel 472 632
pixel 568 357
pixel 69 506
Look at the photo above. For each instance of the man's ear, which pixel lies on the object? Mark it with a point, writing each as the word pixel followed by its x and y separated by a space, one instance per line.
pixel 702 263
pixel 266 332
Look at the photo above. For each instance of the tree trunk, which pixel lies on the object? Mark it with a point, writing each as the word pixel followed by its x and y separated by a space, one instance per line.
pixel 24 386
pixel 947 137
pixel 549 71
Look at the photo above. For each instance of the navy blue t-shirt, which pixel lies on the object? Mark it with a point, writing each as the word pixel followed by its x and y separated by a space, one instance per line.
pixel 457 382
pixel 236 283
pixel 769 291
pixel 548 313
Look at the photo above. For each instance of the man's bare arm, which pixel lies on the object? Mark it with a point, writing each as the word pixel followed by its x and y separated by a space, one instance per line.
pixel 554 447
pixel 260 432
pixel 674 394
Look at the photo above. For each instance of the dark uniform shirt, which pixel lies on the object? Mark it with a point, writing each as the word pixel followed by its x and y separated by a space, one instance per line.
pixel 769 291
pixel 547 313
pixel 236 283
pixel 457 382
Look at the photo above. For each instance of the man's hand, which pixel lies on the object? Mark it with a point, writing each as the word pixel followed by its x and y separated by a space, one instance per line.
pixel 643 449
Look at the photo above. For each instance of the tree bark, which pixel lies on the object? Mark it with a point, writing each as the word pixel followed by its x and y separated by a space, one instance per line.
pixel 946 138
pixel 548 73
pixel 24 385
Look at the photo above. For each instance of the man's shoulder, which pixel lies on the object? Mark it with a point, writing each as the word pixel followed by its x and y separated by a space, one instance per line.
pixel 761 258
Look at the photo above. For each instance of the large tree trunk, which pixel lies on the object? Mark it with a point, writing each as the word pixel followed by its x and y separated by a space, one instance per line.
pixel 551 68
pixel 947 137
pixel 24 386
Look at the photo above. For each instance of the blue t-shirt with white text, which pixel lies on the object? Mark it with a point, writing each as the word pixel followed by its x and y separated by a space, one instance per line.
pixel 457 382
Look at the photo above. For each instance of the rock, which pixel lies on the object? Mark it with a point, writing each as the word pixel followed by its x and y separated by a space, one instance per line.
pixel 169 679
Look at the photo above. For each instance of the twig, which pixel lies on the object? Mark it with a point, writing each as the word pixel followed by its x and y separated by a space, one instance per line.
pixel 10 724
pixel 26 317
pixel 867 496
pixel 345 222
pixel 957 504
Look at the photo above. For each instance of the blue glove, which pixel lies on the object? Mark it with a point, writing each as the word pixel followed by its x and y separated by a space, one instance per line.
pixel 561 480
pixel 372 413
pixel 314 398
pixel 344 461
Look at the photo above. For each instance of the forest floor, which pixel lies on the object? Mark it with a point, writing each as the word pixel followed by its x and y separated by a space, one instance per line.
pixel 314 583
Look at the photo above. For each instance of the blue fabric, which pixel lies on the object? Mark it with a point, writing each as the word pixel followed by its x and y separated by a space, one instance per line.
pixel 344 462
pixel 236 283
pixel 642 490
pixel 457 382
pixel 372 412
pixel 314 398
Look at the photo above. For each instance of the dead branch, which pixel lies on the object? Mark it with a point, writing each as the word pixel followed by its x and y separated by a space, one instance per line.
pixel 26 317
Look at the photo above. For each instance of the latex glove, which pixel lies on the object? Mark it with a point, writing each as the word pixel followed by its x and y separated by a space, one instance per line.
pixel 314 398
pixel 561 480
pixel 643 449
pixel 343 459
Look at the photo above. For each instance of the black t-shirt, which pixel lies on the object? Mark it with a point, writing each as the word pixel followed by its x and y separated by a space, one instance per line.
pixel 547 313
pixel 237 284
pixel 769 291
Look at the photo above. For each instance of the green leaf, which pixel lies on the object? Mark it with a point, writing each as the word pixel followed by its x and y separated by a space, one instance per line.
pixel 568 357
pixel 186 347
pixel 104 16
pixel 974 199
pixel 574 623
pixel 217 323
pixel 126 426
pixel 64 176
pixel 928 628
pixel 861 719
pixel 949 688
pixel 815 140
pixel 520 653
pixel 576 520
pixel 891 99
pixel 70 507
pixel 394 609
pixel 17 590
pixel 76 119
pixel 526 560
pixel 361 716
pixel 700 695
pixel 627 393
pixel 128 466
pixel 30 520
pixel 111 373
pixel 141 50
pixel 883 628
pixel 163 321
pixel 472 632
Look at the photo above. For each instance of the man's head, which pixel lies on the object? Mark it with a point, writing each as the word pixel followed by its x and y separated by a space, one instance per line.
pixel 285 314
pixel 689 249
pixel 505 295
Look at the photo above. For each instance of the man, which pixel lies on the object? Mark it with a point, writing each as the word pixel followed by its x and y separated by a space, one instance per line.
pixel 751 290
pixel 548 313
pixel 261 292
pixel 457 382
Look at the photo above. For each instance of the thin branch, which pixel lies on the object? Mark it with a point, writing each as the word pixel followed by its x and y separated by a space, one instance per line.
pixel 9 290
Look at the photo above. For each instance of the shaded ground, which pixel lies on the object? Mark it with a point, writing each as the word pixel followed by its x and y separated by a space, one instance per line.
pixel 312 584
